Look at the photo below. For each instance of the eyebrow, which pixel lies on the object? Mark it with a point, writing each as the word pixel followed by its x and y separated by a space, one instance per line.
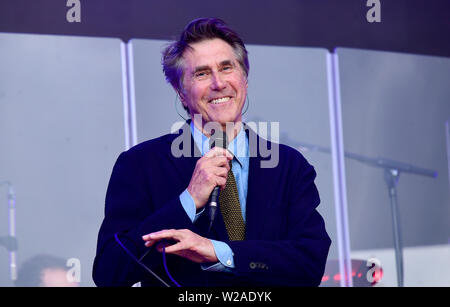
pixel 226 62
pixel 206 67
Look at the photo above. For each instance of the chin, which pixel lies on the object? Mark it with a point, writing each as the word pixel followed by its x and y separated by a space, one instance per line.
pixel 224 120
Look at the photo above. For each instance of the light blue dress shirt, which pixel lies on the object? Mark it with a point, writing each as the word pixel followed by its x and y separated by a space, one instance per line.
pixel 240 167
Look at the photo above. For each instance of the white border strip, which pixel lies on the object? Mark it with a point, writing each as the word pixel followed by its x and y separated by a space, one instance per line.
pixel 128 94
pixel 337 153
pixel 132 94
pixel 125 101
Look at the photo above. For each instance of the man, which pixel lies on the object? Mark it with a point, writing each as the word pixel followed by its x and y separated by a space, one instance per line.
pixel 267 231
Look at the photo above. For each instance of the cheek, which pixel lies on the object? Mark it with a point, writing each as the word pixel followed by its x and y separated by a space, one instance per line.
pixel 243 90
pixel 194 96
pixel 200 93
pixel 242 85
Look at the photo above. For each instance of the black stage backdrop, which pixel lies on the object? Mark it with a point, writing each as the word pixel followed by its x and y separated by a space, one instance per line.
pixel 411 26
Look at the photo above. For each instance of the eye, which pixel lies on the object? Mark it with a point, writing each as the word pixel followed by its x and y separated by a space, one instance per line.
pixel 227 68
pixel 201 74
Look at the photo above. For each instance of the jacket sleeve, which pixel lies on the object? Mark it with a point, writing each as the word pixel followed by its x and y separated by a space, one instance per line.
pixel 298 257
pixel 130 212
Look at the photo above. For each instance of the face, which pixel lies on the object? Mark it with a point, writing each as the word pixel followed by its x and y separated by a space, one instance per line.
pixel 214 84
pixel 56 277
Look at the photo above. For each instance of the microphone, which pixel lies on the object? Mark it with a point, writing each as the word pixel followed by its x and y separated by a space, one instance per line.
pixel 218 139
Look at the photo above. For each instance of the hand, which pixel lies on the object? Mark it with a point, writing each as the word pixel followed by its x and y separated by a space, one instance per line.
pixel 189 244
pixel 210 171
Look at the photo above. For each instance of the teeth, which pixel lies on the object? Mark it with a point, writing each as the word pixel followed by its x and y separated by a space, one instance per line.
pixel 220 100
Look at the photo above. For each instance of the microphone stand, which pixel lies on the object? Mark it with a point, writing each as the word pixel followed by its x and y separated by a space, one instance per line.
pixel 392 171
pixel 391 177
pixel 10 241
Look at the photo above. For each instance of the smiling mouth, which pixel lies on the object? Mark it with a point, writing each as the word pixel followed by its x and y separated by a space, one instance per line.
pixel 219 100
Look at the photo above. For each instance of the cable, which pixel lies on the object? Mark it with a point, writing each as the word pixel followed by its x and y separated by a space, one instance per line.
pixel 176 109
pixel 167 270
pixel 139 261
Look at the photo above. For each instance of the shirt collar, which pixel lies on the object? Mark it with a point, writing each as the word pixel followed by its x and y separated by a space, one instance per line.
pixel 238 146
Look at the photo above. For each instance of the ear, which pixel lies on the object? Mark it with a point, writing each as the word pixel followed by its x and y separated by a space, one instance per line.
pixel 181 96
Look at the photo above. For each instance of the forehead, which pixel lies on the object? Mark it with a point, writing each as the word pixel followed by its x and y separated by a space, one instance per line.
pixel 208 52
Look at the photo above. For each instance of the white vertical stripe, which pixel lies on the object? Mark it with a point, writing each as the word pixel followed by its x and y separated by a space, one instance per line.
pixel 132 94
pixel 337 153
pixel 447 133
pixel 128 94
pixel 125 100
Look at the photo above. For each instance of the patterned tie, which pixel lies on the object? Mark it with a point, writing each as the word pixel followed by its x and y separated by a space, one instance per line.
pixel 231 209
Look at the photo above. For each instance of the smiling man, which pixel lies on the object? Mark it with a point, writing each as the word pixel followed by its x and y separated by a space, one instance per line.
pixel 267 230
pixel 214 84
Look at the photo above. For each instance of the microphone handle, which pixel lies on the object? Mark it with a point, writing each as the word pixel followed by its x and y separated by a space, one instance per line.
pixel 213 206
pixel 217 139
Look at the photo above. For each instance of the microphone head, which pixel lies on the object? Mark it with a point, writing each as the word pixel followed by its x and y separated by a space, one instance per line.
pixel 218 139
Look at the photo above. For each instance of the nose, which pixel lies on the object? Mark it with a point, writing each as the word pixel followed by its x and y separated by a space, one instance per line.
pixel 217 82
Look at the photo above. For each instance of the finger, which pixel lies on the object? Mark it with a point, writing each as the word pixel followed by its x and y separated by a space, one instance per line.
pixel 220 171
pixel 219 152
pixel 205 163
pixel 149 243
pixel 214 152
pixel 163 244
pixel 219 177
pixel 229 155
pixel 221 182
pixel 173 249
pixel 220 161
pixel 162 234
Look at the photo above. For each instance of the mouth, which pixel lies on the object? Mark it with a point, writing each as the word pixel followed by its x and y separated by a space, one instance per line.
pixel 220 100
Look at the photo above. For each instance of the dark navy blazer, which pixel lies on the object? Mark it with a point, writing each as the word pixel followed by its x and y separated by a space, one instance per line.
pixel 285 244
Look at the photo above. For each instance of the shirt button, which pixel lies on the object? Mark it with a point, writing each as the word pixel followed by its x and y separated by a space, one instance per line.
pixel 229 261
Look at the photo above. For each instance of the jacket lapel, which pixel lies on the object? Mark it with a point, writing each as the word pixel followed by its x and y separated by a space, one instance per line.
pixel 183 152
pixel 258 181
